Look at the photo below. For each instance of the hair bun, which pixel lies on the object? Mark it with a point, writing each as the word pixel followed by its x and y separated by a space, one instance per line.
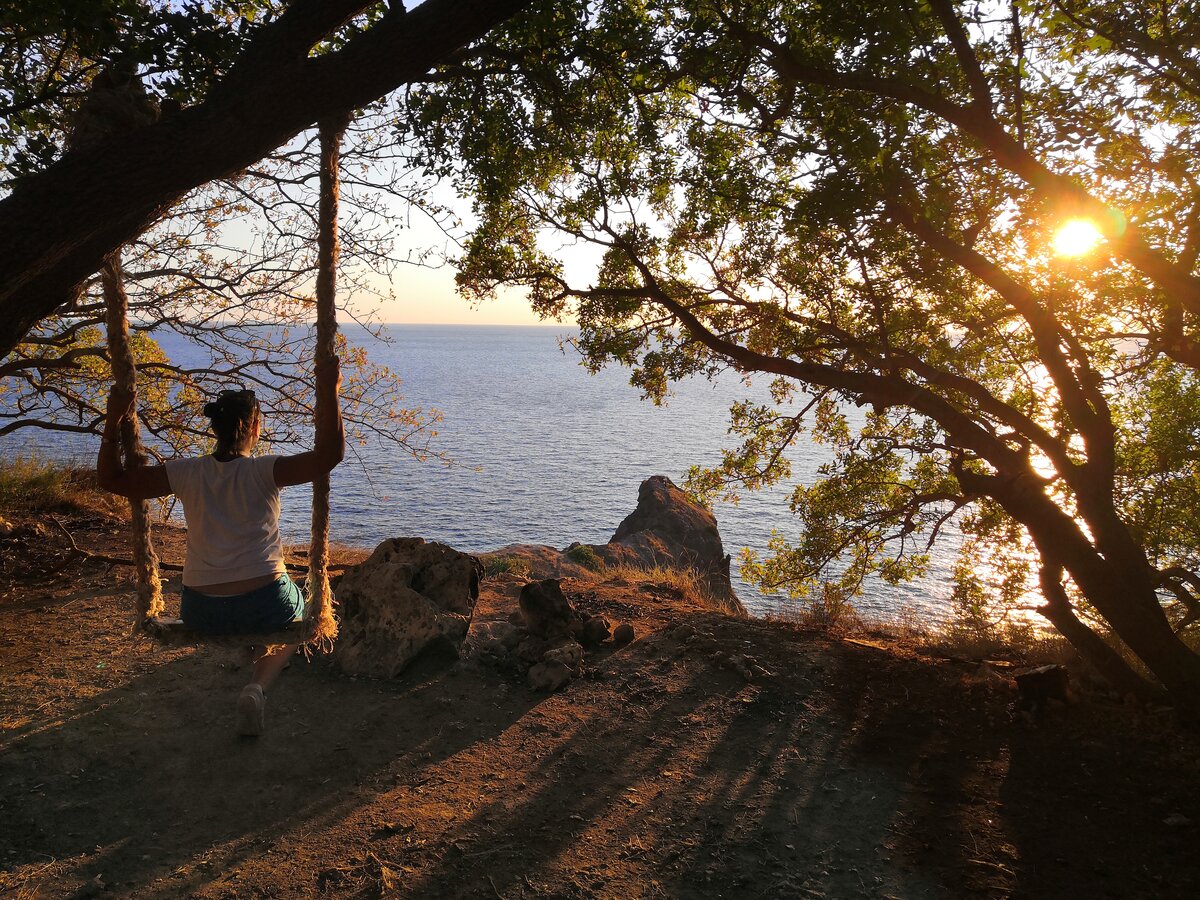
pixel 211 409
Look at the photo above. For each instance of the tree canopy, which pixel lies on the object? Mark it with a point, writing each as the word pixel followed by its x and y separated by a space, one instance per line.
pixel 243 78
pixel 226 266
pixel 858 201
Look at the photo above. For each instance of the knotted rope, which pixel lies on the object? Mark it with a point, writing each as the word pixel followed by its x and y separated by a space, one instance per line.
pixel 319 608
pixel 117 101
pixel 124 370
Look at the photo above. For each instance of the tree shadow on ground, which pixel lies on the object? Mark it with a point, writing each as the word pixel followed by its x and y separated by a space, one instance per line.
pixel 712 787
pixel 149 780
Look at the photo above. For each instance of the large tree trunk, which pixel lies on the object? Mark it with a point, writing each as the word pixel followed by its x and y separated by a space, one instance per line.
pixel 1103 658
pixel 1121 591
pixel 57 228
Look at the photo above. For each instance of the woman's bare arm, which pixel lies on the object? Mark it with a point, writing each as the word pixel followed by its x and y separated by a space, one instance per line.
pixel 138 483
pixel 330 444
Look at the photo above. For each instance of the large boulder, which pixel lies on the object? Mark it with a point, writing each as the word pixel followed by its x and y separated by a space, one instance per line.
pixel 548 614
pixel 408 596
pixel 671 530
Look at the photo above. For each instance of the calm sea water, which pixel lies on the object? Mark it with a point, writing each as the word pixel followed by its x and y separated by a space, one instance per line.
pixel 545 453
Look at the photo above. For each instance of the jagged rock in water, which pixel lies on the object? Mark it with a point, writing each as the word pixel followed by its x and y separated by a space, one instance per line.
pixel 669 529
pixel 408 596
pixel 547 611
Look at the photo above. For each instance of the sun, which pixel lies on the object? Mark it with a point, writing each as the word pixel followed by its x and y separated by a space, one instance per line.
pixel 1076 237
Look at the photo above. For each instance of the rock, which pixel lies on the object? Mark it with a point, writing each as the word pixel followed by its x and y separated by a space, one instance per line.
pixel 549 676
pixel 738 663
pixel 567 652
pixel 595 631
pixel 531 649
pixel 683 632
pixel 623 635
pixel 1176 820
pixel 407 597
pixel 6 527
pixel 670 529
pixel 1041 684
pixel 547 612
pixel 93 888
pixel 499 638
pixel 516 617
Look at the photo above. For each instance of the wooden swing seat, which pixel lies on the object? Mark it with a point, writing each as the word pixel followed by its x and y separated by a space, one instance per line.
pixel 173 633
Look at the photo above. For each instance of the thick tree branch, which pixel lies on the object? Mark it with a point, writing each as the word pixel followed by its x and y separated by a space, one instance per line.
pixel 1180 286
pixel 57 227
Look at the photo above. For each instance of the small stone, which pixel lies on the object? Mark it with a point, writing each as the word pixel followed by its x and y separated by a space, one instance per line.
pixel 531 649
pixel 595 631
pixel 623 635
pixel 93 888
pixel 1177 820
pixel 549 676
pixel 569 653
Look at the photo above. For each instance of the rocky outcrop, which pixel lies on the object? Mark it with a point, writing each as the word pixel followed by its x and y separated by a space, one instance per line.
pixel 670 529
pixel 539 561
pixel 546 640
pixel 407 597
pixel 667 529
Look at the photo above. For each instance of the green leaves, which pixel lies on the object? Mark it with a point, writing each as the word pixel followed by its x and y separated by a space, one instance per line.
pixel 859 200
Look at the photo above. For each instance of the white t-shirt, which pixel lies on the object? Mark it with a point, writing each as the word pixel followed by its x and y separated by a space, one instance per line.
pixel 232 512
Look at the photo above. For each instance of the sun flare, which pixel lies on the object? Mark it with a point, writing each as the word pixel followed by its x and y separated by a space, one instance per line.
pixel 1076 237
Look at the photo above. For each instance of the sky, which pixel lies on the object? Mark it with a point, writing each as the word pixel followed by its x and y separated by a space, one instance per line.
pixel 427 296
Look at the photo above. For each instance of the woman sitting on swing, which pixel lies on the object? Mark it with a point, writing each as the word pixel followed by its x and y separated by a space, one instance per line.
pixel 234 578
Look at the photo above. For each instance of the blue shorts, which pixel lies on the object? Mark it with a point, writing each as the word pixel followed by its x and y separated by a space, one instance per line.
pixel 268 608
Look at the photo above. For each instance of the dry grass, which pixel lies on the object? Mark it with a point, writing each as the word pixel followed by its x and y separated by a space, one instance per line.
pixel 832 613
pixel 506 564
pixel 31 484
pixel 687 584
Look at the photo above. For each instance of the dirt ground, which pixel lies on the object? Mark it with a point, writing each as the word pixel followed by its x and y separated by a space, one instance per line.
pixel 849 770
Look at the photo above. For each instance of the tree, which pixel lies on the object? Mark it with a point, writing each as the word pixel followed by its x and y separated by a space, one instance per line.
pixel 229 273
pixel 858 201
pixel 252 78
pixel 229 265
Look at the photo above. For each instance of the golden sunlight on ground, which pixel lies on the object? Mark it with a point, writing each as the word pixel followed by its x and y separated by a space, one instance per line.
pixel 1076 237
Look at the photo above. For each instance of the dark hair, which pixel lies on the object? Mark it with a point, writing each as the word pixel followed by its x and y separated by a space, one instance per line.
pixel 232 414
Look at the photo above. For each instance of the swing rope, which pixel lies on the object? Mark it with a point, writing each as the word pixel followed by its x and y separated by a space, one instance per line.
pixel 319 607
pixel 116 306
pixel 319 626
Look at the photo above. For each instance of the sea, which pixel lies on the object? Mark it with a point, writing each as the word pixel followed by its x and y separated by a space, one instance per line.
pixel 543 452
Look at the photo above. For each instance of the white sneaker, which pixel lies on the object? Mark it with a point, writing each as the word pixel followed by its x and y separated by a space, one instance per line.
pixel 251 710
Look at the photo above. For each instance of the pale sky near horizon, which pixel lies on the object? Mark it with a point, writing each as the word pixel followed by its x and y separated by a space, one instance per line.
pixel 426 296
